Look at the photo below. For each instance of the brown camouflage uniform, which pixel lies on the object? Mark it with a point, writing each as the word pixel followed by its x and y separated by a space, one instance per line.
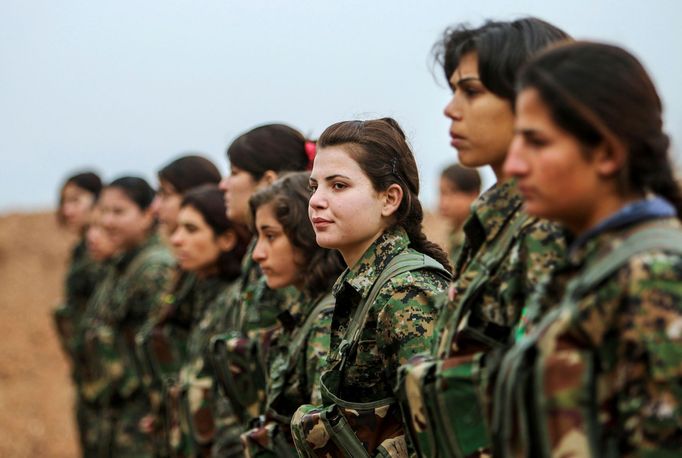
pixel 601 376
pixel 133 284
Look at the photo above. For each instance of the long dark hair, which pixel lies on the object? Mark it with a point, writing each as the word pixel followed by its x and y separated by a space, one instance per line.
pixel 502 47
pixel 210 202
pixel 602 94
pixel 88 181
pixel 289 197
pixel 188 172
pixel 381 150
pixel 275 147
pixel 136 189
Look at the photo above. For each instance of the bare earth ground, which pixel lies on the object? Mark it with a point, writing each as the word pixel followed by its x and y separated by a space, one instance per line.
pixel 35 391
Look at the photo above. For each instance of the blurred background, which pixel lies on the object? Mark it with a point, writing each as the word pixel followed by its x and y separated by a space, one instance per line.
pixel 124 86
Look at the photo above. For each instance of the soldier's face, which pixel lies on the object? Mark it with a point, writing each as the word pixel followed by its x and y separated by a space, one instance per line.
pixel 482 123
pixel 454 204
pixel 76 206
pixel 555 176
pixel 195 244
pixel 344 208
pixel 167 206
pixel 274 253
pixel 126 224
pixel 99 243
pixel 238 187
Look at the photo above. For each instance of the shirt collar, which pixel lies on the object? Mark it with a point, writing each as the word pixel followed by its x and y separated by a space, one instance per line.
pixel 365 272
pixel 653 207
pixel 495 206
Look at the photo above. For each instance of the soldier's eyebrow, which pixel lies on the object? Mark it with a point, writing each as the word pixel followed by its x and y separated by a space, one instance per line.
pixel 333 177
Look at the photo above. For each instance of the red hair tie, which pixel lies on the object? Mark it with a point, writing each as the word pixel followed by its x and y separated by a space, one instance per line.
pixel 310 150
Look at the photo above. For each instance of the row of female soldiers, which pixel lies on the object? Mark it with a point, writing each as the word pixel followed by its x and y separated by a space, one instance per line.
pixel 346 333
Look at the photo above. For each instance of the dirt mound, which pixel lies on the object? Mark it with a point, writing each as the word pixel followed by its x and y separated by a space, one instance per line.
pixel 36 415
pixel 35 393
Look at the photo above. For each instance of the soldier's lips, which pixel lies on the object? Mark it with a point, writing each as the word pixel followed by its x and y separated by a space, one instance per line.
pixel 321 223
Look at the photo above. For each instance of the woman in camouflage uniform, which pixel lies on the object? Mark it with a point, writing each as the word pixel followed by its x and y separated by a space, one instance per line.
pixel 176 178
pixel 458 188
pixel 601 375
pixel 364 203
pixel 76 202
pixel 505 252
pixel 256 158
pixel 287 253
pixel 162 341
pixel 210 246
pixel 133 283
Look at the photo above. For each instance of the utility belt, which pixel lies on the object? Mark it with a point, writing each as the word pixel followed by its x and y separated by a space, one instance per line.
pixel 341 428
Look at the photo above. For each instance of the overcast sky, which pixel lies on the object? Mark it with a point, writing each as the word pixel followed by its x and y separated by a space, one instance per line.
pixel 126 86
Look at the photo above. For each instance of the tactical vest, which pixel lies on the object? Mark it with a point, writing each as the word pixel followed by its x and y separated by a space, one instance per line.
pixel 442 401
pixel 520 398
pixel 272 433
pixel 342 428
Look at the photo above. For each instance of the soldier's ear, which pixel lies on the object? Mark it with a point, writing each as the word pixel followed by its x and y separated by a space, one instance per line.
pixel 227 241
pixel 267 179
pixel 392 198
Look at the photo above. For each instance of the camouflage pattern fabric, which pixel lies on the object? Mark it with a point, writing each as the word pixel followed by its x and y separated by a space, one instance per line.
pixel 538 248
pixel 601 375
pixel 199 412
pixel 400 324
pixel 134 282
pixel 246 339
pixel 81 280
pixel 161 345
pixel 474 325
pixel 295 362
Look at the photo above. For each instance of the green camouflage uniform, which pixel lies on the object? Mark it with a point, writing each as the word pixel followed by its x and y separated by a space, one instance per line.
pixel 121 304
pixel 295 362
pixel 246 336
pixel 200 409
pixel 162 349
pixel 527 249
pixel 601 375
pixel 81 280
pixel 400 324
